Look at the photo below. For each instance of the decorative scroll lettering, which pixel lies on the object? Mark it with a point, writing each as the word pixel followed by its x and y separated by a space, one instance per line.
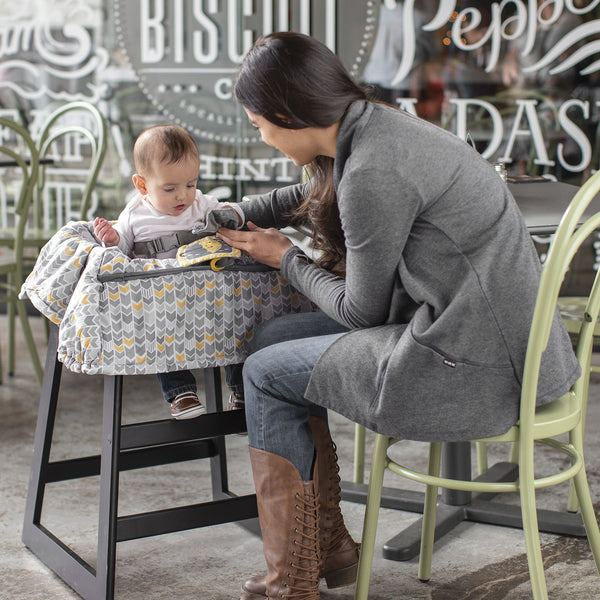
pixel 185 54
pixel 56 55
pixel 510 20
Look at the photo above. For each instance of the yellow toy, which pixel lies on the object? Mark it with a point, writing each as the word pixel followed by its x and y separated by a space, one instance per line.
pixel 207 249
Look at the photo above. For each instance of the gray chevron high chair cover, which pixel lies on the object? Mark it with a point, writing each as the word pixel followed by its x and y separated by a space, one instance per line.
pixel 124 316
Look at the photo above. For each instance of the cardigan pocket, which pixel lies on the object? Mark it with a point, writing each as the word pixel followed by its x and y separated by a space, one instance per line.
pixel 426 395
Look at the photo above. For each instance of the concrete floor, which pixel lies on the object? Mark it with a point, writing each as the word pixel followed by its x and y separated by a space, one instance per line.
pixel 473 562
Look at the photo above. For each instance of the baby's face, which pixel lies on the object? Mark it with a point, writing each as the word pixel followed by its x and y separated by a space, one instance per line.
pixel 171 188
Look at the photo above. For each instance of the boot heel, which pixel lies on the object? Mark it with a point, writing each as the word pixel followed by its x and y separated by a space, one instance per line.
pixel 341 577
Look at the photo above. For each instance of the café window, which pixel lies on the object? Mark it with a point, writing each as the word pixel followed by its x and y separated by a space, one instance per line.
pixel 516 78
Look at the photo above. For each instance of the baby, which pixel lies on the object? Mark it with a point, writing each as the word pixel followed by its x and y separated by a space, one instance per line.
pixel 159 219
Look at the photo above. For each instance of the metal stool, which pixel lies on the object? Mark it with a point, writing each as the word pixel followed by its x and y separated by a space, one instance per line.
pixel 125 447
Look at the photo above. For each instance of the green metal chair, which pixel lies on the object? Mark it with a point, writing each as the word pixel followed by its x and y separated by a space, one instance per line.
pixel 537 425
pixel 58 125
pixel 11 258
pixel 66 120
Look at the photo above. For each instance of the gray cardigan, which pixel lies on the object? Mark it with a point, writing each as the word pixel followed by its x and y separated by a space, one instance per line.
pixel 440 285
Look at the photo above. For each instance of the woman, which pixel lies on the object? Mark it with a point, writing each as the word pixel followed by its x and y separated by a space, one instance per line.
pixel 426 284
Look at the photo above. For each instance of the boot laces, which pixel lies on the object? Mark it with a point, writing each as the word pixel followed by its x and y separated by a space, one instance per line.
pixel 336 529
pixel 303 576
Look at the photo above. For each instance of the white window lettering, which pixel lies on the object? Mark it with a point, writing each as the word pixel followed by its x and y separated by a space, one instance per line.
pixel 178 31
pixel 152 32
pixel 247 171
pixel 462 106
pixel 408 104
pixel 206 40
pixel 207 164
pixel 581 10
pixel 527 108
pixel 223 88
pixel 576 134
pixel 239 40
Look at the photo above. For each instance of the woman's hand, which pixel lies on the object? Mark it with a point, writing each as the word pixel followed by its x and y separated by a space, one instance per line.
pixel 264 245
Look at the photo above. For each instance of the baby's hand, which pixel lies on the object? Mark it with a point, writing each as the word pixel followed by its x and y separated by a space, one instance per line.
pixel 105 232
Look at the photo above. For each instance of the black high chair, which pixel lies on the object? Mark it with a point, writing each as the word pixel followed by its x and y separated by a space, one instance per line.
pixel 125 447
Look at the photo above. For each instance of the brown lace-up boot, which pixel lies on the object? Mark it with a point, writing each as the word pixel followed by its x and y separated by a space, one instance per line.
pixel 289 520
pixel 339 552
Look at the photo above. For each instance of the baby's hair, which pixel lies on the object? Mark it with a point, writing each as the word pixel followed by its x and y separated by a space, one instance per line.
pixel 162 144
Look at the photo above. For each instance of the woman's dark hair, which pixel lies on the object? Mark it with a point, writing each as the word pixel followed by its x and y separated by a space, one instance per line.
pixel 295 81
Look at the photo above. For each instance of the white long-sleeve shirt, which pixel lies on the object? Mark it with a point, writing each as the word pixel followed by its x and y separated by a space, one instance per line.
pixel 140 221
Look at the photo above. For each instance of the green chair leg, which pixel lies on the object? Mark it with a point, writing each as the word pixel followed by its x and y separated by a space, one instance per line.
pixel 482 457
pixel 10 317
pixel 530 523
pixel 584 499
pixel 429 511
pixel 367 548
pixel 572 502
pixel 588 515
pixel 514 453
pixel 359 454
pixel 35 359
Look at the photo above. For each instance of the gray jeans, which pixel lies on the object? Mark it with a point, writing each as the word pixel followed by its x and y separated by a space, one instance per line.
pixel 275 378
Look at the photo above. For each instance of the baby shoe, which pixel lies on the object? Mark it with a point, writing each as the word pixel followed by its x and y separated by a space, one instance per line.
pixel 235 401
pixel 186 406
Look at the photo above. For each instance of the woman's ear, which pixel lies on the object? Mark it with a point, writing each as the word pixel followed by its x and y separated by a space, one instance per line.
pixel 140 184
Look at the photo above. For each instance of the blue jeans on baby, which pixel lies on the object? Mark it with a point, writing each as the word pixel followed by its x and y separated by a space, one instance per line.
pixel 275 378
pixel 174 383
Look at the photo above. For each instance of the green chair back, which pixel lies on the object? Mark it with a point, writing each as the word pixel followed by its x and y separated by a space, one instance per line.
pixel 26 159
pixel 29 166
pixel 56 126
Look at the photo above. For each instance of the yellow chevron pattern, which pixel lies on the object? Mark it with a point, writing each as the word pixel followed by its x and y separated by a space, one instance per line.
pixel 184 318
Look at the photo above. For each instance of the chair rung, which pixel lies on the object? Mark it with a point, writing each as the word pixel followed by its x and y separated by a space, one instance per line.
pixel 238 508
pixel 89 466
pixel 170 431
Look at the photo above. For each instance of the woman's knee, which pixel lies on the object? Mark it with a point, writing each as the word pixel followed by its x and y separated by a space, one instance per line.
pixel 253 372
pixel 264 374
pixel 279 371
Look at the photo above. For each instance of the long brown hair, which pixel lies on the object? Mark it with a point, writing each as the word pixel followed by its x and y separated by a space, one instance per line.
pixel 295 81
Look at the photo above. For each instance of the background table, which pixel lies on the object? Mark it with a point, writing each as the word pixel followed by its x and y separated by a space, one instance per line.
pixel 543 204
